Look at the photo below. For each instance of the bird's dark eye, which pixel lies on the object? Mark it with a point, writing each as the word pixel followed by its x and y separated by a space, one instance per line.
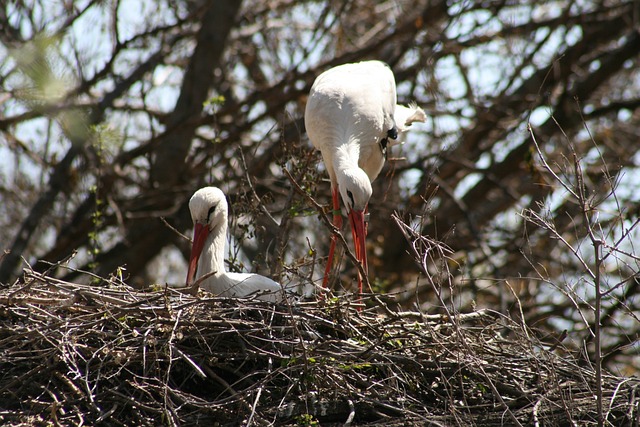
pixel 212 209
pixel 393 133
pixel 350 194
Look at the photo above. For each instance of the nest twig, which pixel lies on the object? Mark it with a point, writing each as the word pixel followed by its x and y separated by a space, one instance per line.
pixel 73 354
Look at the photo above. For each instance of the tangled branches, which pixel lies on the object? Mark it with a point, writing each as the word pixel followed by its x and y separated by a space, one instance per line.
pixel 75 354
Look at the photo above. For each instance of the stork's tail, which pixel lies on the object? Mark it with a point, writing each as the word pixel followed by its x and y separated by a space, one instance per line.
pixel 404 116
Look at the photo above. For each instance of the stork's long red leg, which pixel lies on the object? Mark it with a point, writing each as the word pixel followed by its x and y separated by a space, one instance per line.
pixel 337 222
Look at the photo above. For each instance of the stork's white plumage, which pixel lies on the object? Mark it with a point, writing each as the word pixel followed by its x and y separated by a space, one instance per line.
pixel 209 212
pixel 351 115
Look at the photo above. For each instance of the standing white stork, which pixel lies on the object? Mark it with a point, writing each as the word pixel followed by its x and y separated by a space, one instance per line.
pixel 209 212
pixel 350 115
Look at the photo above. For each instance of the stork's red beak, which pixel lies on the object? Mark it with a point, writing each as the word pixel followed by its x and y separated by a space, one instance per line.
pixel 359 232
pixel 200 234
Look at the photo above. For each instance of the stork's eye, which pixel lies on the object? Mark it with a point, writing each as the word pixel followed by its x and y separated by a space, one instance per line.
pixel 393 133
pixel 212 209
pixel 350 194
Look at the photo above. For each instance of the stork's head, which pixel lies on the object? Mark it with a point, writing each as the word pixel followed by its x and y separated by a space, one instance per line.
pixel 209 212
pixel 355 190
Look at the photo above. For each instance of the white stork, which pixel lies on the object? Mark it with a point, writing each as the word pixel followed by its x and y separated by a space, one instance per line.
pixel 350 116
pixel 209 212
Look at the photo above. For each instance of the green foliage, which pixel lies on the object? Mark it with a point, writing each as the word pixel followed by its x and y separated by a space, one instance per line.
pixel 211 106
pixel 393 342
pixel 44 82
pixel 300 209
pixel 106 140
pixel 36 60
pixel 216 101
pixel 306 420
pixel 355 366
pixel 156 287
pixel 118 275
pixel 379 285
pixel 97 220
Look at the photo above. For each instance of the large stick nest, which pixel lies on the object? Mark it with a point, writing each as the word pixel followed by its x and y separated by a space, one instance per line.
pixel 73 354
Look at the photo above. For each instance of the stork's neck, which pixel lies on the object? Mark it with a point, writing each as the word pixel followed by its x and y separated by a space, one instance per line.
pixel 346 155
pixel 212 257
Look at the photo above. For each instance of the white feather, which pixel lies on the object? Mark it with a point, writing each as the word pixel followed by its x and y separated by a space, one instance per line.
pixel 211 259
pixel 404 117
pixel 350 109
